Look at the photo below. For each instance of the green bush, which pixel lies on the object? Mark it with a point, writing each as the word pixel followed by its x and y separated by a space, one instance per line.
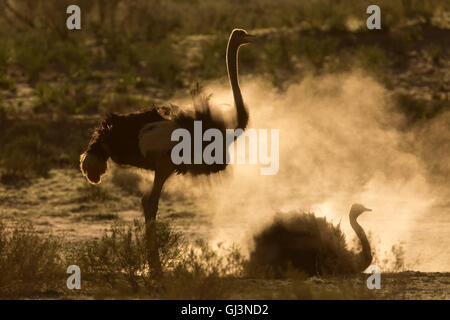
pixel 31 147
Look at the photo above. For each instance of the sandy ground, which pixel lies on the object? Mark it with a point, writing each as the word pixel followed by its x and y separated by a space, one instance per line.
pixel 402 285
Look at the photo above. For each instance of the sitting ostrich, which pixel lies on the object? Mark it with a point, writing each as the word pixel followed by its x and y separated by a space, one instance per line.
pixel 311 244
pixel 143 140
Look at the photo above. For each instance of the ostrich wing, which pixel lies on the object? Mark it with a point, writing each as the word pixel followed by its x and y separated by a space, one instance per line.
pixel 154 138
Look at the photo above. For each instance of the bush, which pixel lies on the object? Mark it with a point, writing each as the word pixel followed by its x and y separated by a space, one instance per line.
pixel 372 59
pixel 27 156
pixel 117 264
pixel 71 57
pixel 65 99
pixel 161 63
pixel 30 147
pixel 5 55
pixel 315 49
pixel 29 264
pixel 119 260
pixel 210 61
pixel 32 54
pixel 417 110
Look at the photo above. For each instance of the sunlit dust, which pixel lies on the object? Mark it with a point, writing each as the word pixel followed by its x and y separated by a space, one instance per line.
pixel 339 144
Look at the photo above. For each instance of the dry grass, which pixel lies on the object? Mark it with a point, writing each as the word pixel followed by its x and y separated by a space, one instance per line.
pixel 30 264
pixel 33 265
pixel 117 265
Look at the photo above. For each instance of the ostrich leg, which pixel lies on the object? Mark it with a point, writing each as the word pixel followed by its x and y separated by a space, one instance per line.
pixel 150 205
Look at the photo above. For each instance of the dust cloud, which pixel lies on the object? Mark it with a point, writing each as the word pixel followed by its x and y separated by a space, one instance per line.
pixel 341 141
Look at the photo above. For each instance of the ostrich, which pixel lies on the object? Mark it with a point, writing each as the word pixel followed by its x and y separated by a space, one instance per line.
pixel 310 244
pixel 143 140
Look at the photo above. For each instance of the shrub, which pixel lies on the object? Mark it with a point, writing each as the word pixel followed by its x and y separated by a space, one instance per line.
pixel 161 63
pixel 5 55
pixel 30 264
pixel 119 260
pixel 71 57
pixel 30 147
pixel 209 62
pixel 32 54
pixel 372 58
pixel 65 99
pixel 417 110
pixel 7 83
pixel 315 49
pixel 277 58
pixel 27 155
pixel 117 263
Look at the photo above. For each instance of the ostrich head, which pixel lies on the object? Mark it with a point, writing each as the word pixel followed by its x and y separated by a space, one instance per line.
pixel 357 209
pixel 93 166
pixel 241 37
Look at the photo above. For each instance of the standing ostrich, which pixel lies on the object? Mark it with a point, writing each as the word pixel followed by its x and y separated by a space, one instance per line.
pixel 312 245
pixel 143 140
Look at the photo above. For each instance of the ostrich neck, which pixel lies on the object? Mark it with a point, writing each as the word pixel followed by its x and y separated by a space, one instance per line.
pixel 366 254
pixel 232 66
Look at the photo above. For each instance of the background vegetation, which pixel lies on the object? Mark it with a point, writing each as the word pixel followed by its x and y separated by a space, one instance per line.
pixel 131 55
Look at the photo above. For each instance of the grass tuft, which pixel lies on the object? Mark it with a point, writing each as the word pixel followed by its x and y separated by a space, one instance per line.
pixel 30 264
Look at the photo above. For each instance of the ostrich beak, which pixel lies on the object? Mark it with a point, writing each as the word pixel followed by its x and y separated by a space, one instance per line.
pixel 249 38
pixel 367 209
